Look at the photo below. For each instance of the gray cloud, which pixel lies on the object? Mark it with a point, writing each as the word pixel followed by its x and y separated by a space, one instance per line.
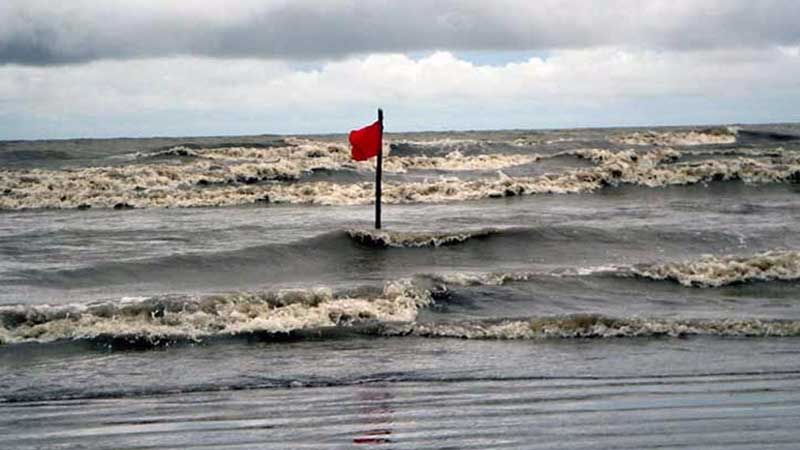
pixel 37 32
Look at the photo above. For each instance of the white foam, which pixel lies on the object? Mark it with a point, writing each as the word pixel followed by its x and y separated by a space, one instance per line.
pixel 599 327
pixel 501 278
pixel 448 143
pixel 480 279
pixel 187 185
pixel 217 177
pixel 681 138
pixel 395 308
pixel 716 271
pixel 456 161
pixel 408 239
pixel 155 319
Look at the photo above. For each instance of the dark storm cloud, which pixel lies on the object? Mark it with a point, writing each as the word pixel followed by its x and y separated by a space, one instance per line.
pixel 38 32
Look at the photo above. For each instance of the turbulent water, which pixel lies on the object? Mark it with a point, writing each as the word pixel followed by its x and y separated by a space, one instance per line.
pixel 605 288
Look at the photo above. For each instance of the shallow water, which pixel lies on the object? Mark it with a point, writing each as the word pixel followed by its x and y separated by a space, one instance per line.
pixel 409 393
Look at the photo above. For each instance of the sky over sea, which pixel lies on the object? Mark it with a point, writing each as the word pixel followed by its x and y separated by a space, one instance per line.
pixel 113 68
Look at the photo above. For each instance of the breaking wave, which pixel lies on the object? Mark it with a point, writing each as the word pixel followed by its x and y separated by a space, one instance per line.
pixel 204 184
pixel 596 326
pixel 215 176
pixel 305 155
pixel 716 271
pixel 235 176
pixel 707 272
pixel 442 144
pixel 613 169
pixel 710 136
pixel 480 279
pixel 410 239
pixel 171 186
pixel 165 319
pixel 456 161
pixel 393 310
pixel 467 279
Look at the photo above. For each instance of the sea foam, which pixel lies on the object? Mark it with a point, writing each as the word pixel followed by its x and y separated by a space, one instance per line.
pixel 716 271
pixel 712 136
pixel 593 326
pixel 203 183
pixel 161 319
pixel 410 239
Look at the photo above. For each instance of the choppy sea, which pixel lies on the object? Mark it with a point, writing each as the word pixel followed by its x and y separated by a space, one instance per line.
pixel 590 288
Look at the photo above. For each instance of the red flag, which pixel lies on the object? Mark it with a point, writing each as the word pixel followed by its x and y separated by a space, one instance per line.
pixel 366 142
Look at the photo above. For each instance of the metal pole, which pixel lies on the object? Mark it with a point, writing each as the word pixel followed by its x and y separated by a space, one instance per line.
pixel 378 176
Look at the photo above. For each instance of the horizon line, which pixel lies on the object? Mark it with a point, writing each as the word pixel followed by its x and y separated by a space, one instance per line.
pixel 464 130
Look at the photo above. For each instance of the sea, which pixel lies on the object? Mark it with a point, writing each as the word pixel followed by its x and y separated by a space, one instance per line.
pixel 619 288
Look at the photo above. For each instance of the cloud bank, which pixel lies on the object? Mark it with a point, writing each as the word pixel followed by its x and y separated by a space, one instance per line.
pixel 41 32
pixel 201 96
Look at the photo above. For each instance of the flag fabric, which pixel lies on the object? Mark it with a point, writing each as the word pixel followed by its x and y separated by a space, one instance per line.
pixel 366 142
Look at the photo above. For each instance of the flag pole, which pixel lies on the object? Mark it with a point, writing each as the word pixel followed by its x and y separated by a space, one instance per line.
pixel 378 176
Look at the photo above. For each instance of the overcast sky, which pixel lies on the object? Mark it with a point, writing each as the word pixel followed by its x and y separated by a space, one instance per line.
pixel 83 68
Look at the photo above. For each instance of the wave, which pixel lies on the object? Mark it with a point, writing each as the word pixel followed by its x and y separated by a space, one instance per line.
pixel 479 279
pixel 204 183
pixel 287 148
pixel 775 152
pixel 324 254
pixel 392 310
pixel 410 239
pixel 467 279
pixel 716 271
pixel 596 326
pixel 456 161
pixel 167 188
pixel 614 169
pixel 711 136
pixel 161 320
pixel 214 176
pixel 308 154
pixel 190 149
pixel 338 254
pixel 769 136
pixel 152 322
pixel 420 147
pixel 707 272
